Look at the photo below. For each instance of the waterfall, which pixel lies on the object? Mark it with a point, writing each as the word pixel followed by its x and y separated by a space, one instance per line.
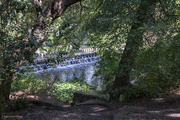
pixel 81 66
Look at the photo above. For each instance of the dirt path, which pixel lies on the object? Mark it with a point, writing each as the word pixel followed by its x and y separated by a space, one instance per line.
pixel 166 108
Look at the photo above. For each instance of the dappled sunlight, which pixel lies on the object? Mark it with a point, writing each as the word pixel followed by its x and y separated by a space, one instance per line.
pixel 156 108
pixel 167 107
pixel 158 99
pixel 37 97
pixel 174 115
pixel 70 114
pixel 94 114
pixel 98 109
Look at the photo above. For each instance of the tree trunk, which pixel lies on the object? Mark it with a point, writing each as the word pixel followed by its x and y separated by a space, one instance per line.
pixel 5 85
pixel 5 88
pixel 54 11
pixel 134 41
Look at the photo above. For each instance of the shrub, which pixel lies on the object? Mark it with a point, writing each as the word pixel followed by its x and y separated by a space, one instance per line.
pixel 28 82
pixel 59 89
pixel 141 90
pixel 65 90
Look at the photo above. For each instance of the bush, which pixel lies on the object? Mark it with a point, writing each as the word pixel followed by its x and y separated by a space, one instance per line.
pixel 65 90
pixel 156 70
pixel 59 89
pixel 31 83
pixel 141 90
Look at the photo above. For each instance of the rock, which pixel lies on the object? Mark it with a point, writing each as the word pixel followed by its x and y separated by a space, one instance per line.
pixel 79 97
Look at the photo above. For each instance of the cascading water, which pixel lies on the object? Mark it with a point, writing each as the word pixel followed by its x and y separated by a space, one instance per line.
pixel 80 67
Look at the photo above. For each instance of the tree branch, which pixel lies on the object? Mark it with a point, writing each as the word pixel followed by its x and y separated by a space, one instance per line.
pixel 54 11
pixel 39 33
pixel 57 7
pixel 38 4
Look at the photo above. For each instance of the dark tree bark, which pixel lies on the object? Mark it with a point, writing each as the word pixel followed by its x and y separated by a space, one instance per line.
pixel 53 11
pixel 134 41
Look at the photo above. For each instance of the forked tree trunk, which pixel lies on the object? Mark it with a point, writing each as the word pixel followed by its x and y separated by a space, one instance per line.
pixel 134 41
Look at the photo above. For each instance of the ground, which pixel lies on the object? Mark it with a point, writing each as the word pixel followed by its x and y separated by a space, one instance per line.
pixel 45 107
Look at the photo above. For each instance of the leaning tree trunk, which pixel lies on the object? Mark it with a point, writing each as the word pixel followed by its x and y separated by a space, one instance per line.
pixel 30 46
pixel 134 41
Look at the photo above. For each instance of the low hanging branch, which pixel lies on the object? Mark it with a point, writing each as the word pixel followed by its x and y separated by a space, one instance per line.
pixel 54 11
pixel 44 19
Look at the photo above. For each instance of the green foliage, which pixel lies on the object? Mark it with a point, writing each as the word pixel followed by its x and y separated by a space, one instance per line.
pixel 65 90
pixel 64 33
pixel 22 82
pixel 106 28
pixel 59 90
pixel 16 19
pixel 141 90
pixel 106 23
pixel 162 68
pixel 157 63
pixel 30 83
pixel 156 68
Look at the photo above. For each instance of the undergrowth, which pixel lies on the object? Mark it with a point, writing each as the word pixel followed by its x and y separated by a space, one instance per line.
pixel 64 91
pixel 60 90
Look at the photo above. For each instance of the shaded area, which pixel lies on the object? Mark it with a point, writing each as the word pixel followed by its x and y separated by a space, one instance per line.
pixel 164 108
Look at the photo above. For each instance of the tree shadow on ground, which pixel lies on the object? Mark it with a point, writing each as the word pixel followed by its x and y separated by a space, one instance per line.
pixel 166 108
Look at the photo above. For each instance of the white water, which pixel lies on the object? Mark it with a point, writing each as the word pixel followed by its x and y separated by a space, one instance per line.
pixel 81 68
